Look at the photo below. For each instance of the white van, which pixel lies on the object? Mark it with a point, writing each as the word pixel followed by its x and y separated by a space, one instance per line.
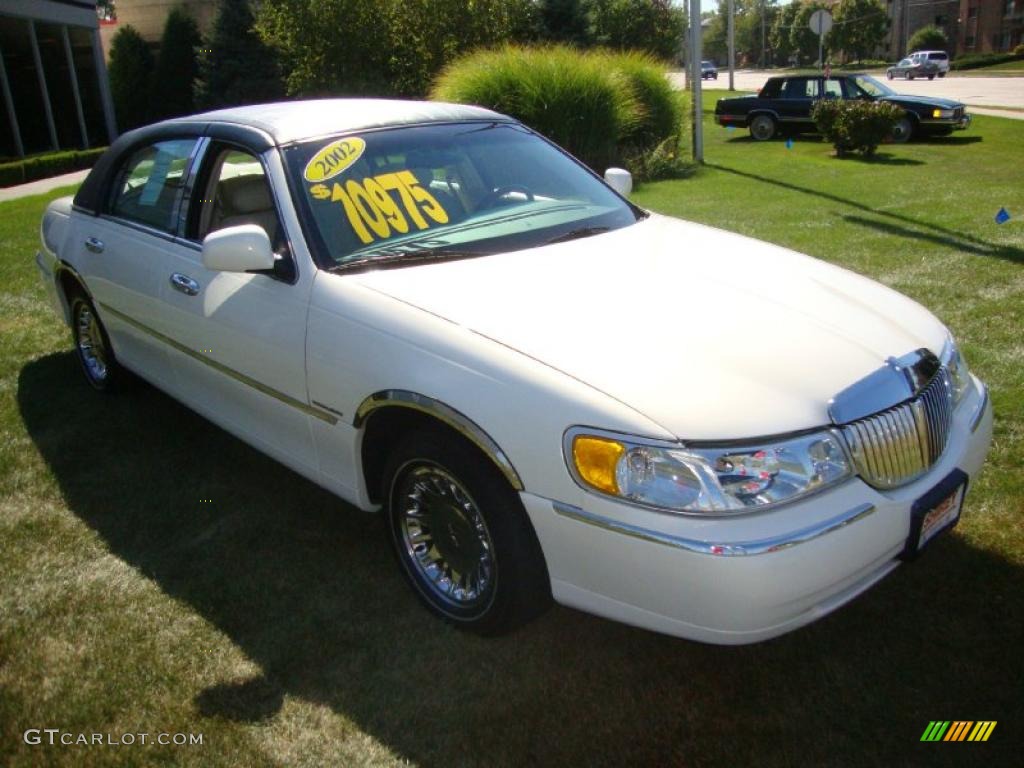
pixel 941 58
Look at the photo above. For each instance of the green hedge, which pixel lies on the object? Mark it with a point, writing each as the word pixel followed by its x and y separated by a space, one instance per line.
pixel 606 108
pixel 45 166
pixel 983 60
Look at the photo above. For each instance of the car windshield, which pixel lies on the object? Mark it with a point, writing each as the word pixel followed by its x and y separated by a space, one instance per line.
pixel 872 87
pixel 442 191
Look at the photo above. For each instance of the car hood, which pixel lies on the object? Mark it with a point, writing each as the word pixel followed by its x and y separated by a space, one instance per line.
pixel 710 334
pixel 927 101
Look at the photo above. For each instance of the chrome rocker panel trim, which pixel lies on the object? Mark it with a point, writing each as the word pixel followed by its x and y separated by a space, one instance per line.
pixel 724 549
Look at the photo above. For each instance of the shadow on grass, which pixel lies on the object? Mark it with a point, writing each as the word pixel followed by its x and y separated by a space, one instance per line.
pixel 951 141
pixel 917 228
pixel 306 588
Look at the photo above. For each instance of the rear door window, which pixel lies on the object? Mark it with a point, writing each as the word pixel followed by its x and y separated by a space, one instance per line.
pixel 150 184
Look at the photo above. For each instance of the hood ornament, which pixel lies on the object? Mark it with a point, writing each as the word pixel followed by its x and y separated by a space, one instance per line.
pixel 899 380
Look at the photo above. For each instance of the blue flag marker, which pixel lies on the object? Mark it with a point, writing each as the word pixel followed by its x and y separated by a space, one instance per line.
pixel 789 143
pixel 730 128
pixel 1003 216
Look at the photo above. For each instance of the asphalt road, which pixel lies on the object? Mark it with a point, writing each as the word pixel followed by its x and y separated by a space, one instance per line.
pixel 976 91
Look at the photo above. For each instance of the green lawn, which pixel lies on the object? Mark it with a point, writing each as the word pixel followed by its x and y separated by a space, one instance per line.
pixel 272 620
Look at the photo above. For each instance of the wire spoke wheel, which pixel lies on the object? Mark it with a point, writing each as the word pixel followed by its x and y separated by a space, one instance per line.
pixel 92 349
pixel 445 537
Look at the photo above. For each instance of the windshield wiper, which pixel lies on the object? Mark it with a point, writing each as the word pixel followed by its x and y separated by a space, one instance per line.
pixel 407 257
pixel 576 234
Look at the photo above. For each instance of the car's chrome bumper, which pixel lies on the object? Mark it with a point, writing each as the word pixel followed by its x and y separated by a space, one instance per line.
pixel 741 579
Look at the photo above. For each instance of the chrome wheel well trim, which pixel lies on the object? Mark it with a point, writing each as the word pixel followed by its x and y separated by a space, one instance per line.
pixel 469 429
pixel 60 269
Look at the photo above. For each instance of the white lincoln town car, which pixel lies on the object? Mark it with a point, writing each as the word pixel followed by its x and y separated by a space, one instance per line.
pixel 548 392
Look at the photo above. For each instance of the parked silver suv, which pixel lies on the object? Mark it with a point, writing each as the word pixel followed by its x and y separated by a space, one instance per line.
pixel 939 58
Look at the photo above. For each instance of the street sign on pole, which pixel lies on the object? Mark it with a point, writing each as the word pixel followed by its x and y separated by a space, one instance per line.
pixel 732 45
pixel 820 23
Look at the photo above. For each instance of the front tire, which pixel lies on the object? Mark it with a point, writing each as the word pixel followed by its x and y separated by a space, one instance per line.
pixel 888 75
pixel 762 128
pixel 902 131
pixel 92 347
pixel 931 77
pixel 461 535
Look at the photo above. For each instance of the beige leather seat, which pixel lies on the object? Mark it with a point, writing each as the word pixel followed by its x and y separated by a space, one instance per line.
pixel 245 200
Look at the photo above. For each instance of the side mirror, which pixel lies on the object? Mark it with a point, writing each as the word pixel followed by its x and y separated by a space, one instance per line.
pixel 245 248
pixel 620 180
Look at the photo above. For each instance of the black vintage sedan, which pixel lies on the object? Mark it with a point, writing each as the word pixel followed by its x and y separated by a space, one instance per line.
pixel 785 103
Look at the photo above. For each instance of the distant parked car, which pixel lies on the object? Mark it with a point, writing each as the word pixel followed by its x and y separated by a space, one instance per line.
pixel 939 58
pixel 913 68
pixel 786 103
pixel 708 70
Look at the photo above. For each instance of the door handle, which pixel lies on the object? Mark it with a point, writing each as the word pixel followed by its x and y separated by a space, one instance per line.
pixel 94 244
pixel 185 284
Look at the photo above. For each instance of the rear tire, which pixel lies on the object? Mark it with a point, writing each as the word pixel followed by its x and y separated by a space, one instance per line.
pixel 461 536
pixel 762 128
pixel 942 74
pixel 92 347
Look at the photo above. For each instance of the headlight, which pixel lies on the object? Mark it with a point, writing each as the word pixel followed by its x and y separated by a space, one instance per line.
pixel 705 479
pixel 958 373
pixel 943 114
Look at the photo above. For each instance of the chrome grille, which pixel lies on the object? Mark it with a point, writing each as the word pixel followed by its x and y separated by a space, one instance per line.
pixel 896 445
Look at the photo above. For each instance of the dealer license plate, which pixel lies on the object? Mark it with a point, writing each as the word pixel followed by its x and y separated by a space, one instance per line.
pixel 942 516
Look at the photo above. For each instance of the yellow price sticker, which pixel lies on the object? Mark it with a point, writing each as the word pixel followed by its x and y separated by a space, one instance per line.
pixel 373 212
pixel 336 157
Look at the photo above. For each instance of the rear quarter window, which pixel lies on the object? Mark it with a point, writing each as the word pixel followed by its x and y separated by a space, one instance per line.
pixel 149 184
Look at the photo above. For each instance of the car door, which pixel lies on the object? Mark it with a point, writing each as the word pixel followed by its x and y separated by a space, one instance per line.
pixel 238 339
pixel 797 98
pixel 120 252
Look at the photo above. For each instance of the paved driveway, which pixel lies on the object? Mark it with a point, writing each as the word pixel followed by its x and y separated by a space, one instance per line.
pixel 987 91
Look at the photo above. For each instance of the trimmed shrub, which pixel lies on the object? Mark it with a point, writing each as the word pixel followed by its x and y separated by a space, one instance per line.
pixel 129 71
pixel 604 108
pixel 929 38
pixel 855 126
pixel 235 67
pixel 45 166
pixel 1019 51
pixel 176 66
pixel 982 60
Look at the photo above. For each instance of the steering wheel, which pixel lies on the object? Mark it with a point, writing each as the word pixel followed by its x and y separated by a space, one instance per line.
pixel 494 196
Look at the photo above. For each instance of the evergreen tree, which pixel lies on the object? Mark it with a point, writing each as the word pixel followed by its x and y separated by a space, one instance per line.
pixel 235 67
pixel 129 71
pixel 176 66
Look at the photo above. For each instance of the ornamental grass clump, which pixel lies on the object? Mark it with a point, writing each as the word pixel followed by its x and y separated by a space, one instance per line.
pixel 606 108
pixel 855 126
